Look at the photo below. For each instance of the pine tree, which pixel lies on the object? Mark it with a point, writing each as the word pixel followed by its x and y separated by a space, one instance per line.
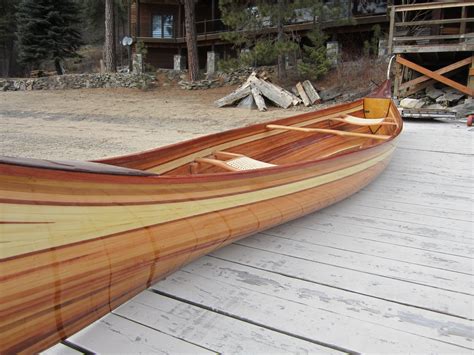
pixel 314 61
pixel 33 27
pixel 249 22
pixel 7 35
pixel 47 30
pixel 64 36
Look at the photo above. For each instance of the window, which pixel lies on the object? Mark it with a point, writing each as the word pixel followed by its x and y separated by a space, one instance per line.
pixel 162 26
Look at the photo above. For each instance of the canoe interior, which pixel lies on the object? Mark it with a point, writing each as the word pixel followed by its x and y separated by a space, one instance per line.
pixel 272 146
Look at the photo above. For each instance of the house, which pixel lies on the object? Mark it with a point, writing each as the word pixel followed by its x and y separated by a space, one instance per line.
pixel 159 24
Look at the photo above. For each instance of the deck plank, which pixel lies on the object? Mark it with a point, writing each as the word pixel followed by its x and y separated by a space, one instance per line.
pixel 400 270
pixel 370 285
pixel 286 285
pixel 60 349
pixel 214 330
pixel 262 300
pixel 388 270
pixel 346 227
pixel 114 334
pixel 365 246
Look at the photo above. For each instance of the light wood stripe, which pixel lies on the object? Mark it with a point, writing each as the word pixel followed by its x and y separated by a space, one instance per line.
pixel 76 223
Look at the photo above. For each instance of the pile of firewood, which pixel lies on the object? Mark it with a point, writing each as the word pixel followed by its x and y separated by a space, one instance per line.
pixel 257 88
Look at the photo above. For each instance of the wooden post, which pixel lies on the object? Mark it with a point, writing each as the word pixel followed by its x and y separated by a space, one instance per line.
pixel 180 22
pixel 462 28
pixel 398 78
pixel 391 30
pixel 470 80
pixel 138 18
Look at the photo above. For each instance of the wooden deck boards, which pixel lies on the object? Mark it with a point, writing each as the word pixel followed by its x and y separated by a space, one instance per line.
pixel 387 270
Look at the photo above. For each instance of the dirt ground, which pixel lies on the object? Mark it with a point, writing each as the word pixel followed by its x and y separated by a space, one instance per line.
pixel 95 123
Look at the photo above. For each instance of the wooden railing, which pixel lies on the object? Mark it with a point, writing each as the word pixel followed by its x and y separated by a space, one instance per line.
pixel 432 27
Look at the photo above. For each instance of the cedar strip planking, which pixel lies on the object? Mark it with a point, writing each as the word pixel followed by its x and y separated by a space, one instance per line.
pixel 56 280
pixel 141 242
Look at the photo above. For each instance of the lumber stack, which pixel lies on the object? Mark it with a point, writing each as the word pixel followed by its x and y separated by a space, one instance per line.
pixel 257 91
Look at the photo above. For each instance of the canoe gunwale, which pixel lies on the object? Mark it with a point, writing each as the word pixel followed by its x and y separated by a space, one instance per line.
pixel 131 175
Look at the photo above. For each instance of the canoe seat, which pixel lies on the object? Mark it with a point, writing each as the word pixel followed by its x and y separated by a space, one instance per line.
pixel 359 121
pixel 238 162
pixel 246 163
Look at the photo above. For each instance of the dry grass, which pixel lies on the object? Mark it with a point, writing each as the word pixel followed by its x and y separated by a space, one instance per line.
pixel 355 74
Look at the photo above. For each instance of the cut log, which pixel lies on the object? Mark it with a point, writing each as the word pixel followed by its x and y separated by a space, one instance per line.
pixel 258 98
pixel 296 99
pixel 278 95
pixel 234 96
pixel 311 92
pixel 247 102
pixel 303 95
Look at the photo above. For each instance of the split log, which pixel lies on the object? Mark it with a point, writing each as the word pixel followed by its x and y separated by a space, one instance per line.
pixel 247 102
pixel 278 95
pixel 234 96
pixel 311 92
pixel 296 99
pixel 259 101
pixel 303 95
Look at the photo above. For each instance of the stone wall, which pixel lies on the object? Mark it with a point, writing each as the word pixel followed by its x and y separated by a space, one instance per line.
pixel 78 81
pixel 125 80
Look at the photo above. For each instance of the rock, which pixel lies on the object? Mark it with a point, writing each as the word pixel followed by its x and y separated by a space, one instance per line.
pixel 331 94
pixel 411 103
pixel 433 93
pixel 464 109
pixel 435 107
pixel 449 98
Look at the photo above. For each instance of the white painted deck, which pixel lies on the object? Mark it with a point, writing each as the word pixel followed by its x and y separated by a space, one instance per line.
pixel 389 270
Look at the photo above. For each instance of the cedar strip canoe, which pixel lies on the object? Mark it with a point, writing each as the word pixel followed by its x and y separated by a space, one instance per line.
pixel 79 239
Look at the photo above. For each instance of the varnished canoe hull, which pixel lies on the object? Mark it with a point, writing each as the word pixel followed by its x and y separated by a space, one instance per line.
pixel 85 243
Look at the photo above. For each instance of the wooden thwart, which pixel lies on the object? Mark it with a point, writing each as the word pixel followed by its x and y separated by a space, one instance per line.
pixel 329 131
pixel 216 162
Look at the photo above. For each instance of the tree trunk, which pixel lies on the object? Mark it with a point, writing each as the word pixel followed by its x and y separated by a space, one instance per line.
pixel 191 40
pixel 109 46
pixel 280 38
pixel 58 66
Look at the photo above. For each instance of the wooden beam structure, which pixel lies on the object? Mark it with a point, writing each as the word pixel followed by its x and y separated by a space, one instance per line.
pixel 432 6
pixel 433 75
pixel 423 79
pixel 419 28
